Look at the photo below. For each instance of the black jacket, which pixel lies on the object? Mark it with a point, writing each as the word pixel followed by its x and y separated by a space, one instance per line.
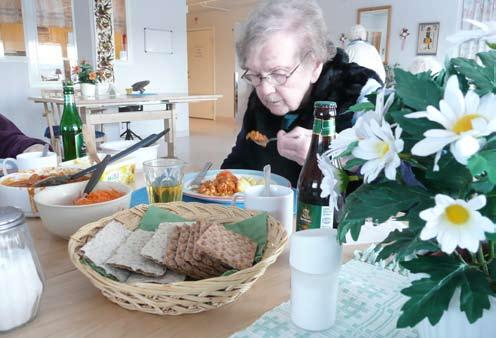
pixel 339 81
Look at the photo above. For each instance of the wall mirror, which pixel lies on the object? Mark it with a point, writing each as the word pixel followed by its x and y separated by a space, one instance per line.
pixel 377 21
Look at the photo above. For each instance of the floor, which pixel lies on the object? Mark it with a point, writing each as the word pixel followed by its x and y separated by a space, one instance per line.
pixel 208 141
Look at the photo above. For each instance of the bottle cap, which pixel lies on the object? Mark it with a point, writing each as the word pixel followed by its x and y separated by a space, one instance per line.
pixel 315 251
pixel 10 217
pixel 325 104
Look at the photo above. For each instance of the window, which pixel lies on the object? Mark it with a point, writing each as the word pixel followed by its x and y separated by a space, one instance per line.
pixel 55 48
pixel 120 31
pixel 11 29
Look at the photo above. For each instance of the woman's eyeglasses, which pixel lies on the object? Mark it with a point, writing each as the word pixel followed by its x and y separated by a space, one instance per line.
pixel 274 78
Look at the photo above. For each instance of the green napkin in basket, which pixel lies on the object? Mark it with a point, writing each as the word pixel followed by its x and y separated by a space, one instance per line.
pixel 154 216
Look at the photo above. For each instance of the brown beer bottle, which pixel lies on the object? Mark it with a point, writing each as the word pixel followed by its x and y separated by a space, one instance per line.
pixel 314 211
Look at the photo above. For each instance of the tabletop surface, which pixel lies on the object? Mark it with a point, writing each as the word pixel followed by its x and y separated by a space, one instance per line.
pixel 130 99
pixel 72 307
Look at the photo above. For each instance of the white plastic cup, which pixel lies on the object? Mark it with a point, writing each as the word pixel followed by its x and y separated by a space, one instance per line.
pixel 315 260
pixel 279 204
pixel 30 160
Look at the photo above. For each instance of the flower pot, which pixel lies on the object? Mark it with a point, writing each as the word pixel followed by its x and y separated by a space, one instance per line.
pixel 88 90
pixel 454 323
pixel 102 89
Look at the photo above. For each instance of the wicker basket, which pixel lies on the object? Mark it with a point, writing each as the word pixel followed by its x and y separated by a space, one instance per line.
pixel 183 297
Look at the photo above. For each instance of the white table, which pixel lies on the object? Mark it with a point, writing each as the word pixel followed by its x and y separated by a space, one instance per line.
pixel 88 109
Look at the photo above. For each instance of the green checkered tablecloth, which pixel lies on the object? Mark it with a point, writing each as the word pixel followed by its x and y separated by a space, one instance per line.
pixel 369 304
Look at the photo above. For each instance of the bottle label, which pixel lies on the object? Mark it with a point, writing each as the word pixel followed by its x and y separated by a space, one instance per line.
pixel 311 216
pixel 317 126
pixel 80 145
pixel 328 127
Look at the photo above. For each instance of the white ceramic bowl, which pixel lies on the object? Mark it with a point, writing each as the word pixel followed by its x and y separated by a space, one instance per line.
pixel 62 218
pixel 141 155
pixel 20 197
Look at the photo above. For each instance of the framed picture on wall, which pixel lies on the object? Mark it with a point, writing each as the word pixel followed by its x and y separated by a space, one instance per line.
pixel 428 36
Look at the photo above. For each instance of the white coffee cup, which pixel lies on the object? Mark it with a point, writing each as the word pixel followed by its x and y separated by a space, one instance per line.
pixel 279 204
pixel 31 160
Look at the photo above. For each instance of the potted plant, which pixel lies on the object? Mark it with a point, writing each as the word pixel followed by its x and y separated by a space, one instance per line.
pixel 102 86
pixel 426 153
pixel 87 78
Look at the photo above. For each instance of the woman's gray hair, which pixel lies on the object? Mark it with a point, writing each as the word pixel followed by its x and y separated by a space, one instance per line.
pixel 303 18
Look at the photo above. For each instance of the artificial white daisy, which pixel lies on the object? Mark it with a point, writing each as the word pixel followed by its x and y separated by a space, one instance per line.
pixel 380 149
pixel 486 32
pixel 456 223
pixel 361 128
pixel 465 120
pixel 330 184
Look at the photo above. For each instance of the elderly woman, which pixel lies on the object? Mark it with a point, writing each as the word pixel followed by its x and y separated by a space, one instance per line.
pixel 290 63
pixel 14 142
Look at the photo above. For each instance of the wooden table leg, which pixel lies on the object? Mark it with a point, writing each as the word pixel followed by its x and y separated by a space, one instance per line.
pixel 170 123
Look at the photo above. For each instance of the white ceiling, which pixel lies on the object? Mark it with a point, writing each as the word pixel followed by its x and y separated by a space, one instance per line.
pixel 197 6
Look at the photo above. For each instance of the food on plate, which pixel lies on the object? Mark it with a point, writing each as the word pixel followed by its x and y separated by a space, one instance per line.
pixel 27 182
pixel 99 196
pixel 257 137
pixel 227 184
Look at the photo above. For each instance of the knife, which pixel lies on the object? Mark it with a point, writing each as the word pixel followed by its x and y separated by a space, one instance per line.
pixel 201 175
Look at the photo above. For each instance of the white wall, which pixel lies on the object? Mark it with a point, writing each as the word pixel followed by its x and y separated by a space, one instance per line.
pixel 340 15
pixel 223 25
pixel 167 73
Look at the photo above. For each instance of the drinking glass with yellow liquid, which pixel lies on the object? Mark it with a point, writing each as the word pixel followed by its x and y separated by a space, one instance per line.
pixel 164 179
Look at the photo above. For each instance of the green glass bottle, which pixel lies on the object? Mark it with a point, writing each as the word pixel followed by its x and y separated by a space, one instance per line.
pixel 314 211
pixel 71 126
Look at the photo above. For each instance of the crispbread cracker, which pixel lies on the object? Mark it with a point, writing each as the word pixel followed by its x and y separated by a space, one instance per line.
pixel 188 254
pixel 128 256
pixel 169 277
pixel 182 264
pixel 205 263
pixel 170 253
pixel 99 249
pixel 229 247
pixel 156 247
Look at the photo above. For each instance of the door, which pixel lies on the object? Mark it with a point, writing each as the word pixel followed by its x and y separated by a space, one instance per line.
pixel 201 75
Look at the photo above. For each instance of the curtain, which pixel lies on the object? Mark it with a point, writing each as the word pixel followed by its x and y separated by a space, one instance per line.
pixel 480 10
pixel 119 12
pixel 10 11
pixel 54 13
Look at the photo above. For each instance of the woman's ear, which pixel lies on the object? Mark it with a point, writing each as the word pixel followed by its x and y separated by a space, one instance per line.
pixel 316 71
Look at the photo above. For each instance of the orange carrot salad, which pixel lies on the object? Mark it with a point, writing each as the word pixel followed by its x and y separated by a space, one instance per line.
pixel 99 196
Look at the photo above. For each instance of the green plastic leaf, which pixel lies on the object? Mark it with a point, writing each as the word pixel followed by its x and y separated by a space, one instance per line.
pixel 379 201
pixel 254 228
pixel 430 297
pixel 483 185
pixel 154 216
pixel 354 162
pixel 404 243
pixel 452 177
pixel 483 161
pixel 363 106
pixel 417 91
pixel 491 45
pixel 474 72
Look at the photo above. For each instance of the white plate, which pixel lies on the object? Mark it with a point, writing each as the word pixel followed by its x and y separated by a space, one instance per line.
pixel 256 174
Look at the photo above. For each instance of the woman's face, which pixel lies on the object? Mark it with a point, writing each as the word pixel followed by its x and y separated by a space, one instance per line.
pixel 280 54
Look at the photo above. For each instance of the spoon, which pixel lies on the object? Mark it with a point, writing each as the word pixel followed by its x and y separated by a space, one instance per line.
pixel 96 175
pixel 264 143
pixel 44 152
pixel 266 190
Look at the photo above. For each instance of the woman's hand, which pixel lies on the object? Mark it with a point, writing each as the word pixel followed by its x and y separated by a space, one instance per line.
pixel 295 144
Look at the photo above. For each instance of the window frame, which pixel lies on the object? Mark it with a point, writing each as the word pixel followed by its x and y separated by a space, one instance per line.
pixel 31 41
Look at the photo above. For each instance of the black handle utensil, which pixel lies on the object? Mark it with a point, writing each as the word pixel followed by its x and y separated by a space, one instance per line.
pixel 96 175
pixel 57 180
